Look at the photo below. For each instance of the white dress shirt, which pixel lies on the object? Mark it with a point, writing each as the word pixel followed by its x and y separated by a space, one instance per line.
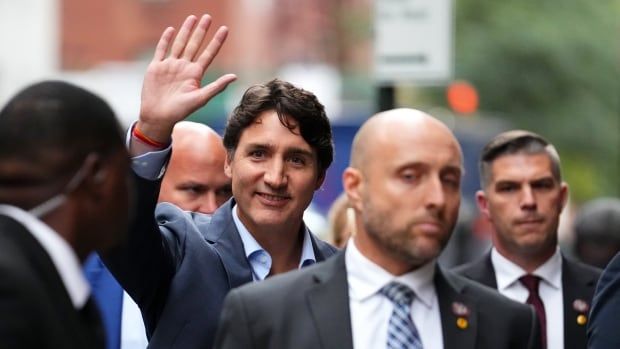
pixel 371 311
pixel 133 334
pixel 62 255
pixel 550 291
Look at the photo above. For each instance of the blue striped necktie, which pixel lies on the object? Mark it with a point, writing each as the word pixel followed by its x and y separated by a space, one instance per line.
pixel 402 333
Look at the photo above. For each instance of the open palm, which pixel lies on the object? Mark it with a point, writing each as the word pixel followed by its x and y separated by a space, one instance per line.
pixel 172 85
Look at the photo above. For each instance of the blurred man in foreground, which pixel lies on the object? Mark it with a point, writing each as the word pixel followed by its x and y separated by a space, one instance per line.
pixel 64 192
pixel 386 289
pixel 523 195
pixel 603 325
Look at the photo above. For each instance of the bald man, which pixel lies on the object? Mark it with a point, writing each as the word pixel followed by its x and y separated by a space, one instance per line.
pixel 195 179
pixel 386 289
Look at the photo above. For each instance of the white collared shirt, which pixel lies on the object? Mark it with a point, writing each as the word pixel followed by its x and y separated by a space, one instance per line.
pixel 133 334
pixel 371 311
pixel 259 258
pixel 62 255
pixel 508 273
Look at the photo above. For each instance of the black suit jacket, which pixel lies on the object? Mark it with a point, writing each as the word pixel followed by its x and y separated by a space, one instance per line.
pixel 309 308
pixel 180 267
pixel 35 308
pixel 578 282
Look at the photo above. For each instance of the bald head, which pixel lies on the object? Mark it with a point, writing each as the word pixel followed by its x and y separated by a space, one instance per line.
pixel 388 126
pixel 404 185
pixel 195 178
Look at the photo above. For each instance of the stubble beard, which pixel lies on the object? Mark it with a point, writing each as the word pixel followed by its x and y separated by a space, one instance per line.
pixel 400 244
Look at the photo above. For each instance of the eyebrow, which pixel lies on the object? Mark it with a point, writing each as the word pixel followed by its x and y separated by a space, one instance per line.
pixel 454 169
pixel 300 151
pixel 289 150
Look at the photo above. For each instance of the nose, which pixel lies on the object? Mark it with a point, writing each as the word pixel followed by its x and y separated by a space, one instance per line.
pixel 528 199
pixel 435 196
pixel 209 203
pixel 275 174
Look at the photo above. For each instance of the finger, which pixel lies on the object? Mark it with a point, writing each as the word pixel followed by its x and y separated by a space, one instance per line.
pixel 206 57
pixel 181 40
pixel 211 90
pixel 163 44
pixel 197 37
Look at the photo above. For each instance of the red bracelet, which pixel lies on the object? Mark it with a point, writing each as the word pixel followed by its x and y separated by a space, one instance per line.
pixel 144 139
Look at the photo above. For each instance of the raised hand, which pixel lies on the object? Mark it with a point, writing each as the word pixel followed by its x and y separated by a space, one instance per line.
pixel 172 85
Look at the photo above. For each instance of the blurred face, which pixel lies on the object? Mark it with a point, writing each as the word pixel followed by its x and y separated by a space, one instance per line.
pixel 274 174
pixel 523 201
pixel 195 179
pixel 407 195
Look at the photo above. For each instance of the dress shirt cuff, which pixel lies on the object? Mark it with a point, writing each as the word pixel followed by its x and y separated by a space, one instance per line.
pixel 151 165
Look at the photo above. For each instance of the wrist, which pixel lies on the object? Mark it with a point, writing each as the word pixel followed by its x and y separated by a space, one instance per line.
pixel 154 135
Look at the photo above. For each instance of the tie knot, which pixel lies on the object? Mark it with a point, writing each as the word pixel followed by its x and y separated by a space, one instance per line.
pixel 530 282
pixel 398 293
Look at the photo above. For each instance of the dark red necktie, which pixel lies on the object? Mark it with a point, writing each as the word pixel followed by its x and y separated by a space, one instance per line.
pixel 531 282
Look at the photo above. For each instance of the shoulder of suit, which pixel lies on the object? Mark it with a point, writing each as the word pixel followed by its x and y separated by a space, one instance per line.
pixel 291 281
pixel 581 269
pixel 471 268
pixel 326 248
pixel 485 296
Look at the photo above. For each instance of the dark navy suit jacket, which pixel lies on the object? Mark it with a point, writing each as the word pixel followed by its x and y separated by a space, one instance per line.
pixel 603 326
pixel 179 267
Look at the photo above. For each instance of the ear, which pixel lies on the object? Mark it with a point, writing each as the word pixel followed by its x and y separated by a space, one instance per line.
pixel 563 194
pixel 227 167
pixel 352 181
pixel 483 203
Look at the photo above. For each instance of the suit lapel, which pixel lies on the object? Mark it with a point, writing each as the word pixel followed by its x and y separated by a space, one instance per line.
pixel 322 250
pixel 577 289
pixel 225 238
pixel 459 319
pixel 483 272
pixel 41 264
pixel 328 303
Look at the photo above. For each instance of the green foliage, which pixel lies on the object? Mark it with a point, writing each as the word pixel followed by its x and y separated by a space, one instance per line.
pixel 551 66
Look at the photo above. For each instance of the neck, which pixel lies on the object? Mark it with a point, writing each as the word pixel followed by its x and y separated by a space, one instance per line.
pixel 382 256
pixel 59 222
pixel 283 245
pixel 527 262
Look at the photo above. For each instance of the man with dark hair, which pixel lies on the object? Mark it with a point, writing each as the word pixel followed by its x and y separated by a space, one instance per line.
pixel 180 266
pixel 386 289
pixel 523 195
pixel 64 192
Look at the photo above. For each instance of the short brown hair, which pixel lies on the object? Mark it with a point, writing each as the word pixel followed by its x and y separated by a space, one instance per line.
pixel 516 142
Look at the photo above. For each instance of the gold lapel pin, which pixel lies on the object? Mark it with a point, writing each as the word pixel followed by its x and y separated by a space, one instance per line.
pixel 582 319
pixel 462 323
